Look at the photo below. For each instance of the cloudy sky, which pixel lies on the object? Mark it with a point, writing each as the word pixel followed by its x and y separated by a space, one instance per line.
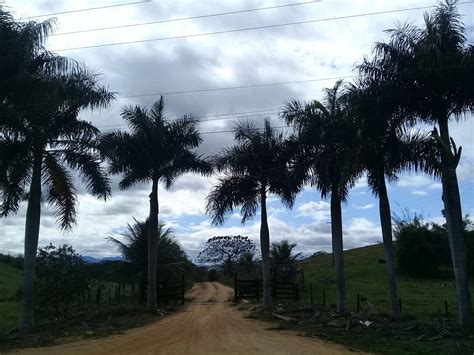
pixel 174 58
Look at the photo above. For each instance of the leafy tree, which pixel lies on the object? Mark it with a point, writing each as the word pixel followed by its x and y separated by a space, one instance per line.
pixel 156 150
pixel 254 167
pixel 326 135
pixel 41 140
pixel 226 250
pixel 61 280
pixel 432 67
pixel 171 257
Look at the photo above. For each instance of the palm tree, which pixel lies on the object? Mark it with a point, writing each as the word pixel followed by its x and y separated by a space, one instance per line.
pixel 432 67
pixel 327 160
pixel 170 255
pixel 386 148
pixel 282 253
pixel 156 150
pixel 283 259
pixel 254 167
pixel 38 150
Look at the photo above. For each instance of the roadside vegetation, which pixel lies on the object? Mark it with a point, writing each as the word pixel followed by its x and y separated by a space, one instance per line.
pixel 368 126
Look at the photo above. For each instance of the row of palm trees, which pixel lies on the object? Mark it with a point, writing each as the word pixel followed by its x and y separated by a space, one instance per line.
pixel 419 75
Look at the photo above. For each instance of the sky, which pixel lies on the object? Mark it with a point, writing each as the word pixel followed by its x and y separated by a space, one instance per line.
pixel 311 55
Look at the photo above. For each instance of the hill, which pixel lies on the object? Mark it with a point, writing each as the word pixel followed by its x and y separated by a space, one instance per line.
pixel 10 281
pixel 365 275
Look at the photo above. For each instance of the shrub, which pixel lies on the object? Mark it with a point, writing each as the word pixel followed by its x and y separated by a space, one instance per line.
pixel 61 280
pixel 423 248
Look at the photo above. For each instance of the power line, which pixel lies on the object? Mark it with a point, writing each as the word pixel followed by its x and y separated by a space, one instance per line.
pixel 91 9
pixel 254 86
pixel 225 88
pixel 219 117
pixel 250 28
pixel 186 18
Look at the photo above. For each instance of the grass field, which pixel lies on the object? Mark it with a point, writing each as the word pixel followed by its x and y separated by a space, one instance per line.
pixel 365 275
pixel 10 281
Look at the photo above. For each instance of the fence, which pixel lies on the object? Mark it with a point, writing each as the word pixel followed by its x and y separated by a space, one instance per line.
pixel 253 289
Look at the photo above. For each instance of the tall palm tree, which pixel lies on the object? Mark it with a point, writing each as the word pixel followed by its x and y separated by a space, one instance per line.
pixel 386 148
pixel 327 160
pixel 433 66
pixel 40 148
pixel 257 165
pixel 170 255
pixel 156 150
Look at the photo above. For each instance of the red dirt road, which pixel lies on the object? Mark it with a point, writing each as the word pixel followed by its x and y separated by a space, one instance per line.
pixel 208 325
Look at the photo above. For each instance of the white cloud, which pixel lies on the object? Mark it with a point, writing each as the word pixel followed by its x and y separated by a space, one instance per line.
pixel 414 181
pixel 319 210
pixel 419 193
pixel 364 207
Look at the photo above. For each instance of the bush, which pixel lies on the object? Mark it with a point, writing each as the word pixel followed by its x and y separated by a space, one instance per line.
pixel 422 248
pixel 61 280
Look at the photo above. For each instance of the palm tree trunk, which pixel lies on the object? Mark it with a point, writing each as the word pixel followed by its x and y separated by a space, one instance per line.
pixel 32 225
pixel 336 229
pixel 152 247
pixel 265 248
pixel 386 224
pixel 453 215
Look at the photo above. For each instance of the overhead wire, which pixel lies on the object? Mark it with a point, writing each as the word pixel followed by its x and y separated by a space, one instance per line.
pixel 186 18
pixel 90 9
pixel 250 28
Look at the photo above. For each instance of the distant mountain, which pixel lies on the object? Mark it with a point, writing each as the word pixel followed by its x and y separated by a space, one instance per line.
pixel 92 260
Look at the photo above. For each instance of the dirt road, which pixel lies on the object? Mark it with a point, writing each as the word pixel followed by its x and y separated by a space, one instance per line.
pixel 208 325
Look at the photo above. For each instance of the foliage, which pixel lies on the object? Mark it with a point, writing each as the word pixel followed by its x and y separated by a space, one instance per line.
pixel 172 261
pixel 171 256
pixel 226 248
pixel 15 261
pixel 423 247
pixel 60 281
pixel 284 260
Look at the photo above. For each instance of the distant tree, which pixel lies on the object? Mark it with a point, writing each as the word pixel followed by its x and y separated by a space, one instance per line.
pixel 247 263
pixel 156 150
pixel 226 251
pixel 257 165
pixel 61 280
pixel 283 258
pixel 282 253
pixel 134 249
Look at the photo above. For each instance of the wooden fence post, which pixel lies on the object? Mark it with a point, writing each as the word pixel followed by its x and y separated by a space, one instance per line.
pixel 311 292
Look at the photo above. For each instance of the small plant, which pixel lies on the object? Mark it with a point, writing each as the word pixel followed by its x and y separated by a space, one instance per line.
pixel 61 281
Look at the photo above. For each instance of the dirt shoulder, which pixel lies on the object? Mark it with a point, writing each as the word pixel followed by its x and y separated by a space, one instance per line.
pixel 208 325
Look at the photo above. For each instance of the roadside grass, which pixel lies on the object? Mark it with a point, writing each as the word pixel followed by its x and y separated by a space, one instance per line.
pixel 10 282
pixel 422 298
